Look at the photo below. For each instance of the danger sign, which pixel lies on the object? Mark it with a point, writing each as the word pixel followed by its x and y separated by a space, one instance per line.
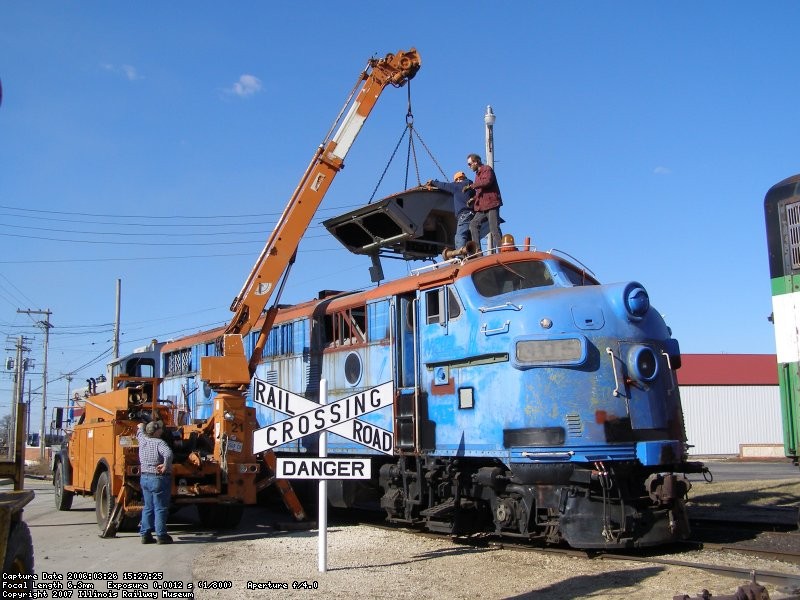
pixel 323 468
pixel 336 417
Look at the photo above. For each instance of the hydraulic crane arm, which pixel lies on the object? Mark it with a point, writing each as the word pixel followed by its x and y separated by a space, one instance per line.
pixel 232 369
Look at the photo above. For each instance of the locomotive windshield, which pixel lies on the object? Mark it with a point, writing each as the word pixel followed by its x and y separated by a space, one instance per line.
pixel 504 278
pixel 576 276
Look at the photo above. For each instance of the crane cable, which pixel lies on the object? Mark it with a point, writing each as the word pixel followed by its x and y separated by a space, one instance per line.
pixel 412 151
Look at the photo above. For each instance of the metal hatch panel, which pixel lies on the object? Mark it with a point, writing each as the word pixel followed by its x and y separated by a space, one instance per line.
pixel 415 224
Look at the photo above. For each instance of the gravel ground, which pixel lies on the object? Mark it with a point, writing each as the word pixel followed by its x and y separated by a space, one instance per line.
pixel 370 562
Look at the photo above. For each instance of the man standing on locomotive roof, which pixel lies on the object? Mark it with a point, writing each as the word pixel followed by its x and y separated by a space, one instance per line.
pixel 487 201
pixel 461 209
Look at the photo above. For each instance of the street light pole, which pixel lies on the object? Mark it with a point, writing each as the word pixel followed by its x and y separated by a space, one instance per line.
pixel 489 120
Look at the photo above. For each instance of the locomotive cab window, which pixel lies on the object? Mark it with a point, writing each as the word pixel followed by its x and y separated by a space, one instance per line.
pixel 136 367
pixel 577 276
pixel 345 327
pixel 504 278
pixel 179 361
pixel 441 302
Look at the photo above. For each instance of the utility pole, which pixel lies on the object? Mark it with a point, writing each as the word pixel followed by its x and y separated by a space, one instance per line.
pixel 116 320
pixel 12 434
pixel 68 404
pixel 28 413
pixel 43 426
pixel 19 393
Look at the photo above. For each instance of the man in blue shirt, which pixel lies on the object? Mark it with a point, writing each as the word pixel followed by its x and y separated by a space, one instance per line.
pixel 461 207
pixel 155 462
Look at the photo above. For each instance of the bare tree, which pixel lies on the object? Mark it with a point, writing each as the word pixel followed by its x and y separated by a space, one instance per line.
pixel 6 430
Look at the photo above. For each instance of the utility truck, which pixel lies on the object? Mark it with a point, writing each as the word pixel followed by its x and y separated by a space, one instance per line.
pixel 215 467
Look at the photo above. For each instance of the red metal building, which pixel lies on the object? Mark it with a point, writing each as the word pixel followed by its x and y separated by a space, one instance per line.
pixel 731 405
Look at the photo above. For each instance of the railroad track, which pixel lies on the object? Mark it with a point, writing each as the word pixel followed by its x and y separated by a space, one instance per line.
pixel 787 582
pixel 768 539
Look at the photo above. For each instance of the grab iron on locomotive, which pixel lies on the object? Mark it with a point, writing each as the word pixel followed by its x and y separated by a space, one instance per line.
pixel 528 399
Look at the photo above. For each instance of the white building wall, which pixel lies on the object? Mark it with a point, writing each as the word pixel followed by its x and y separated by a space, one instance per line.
pixel 719 418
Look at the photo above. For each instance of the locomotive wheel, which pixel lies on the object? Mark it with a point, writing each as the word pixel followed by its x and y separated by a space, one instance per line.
pixel 19 551
pixel 220 516
pixel 62 497
pixel 104 504
pixel 552 528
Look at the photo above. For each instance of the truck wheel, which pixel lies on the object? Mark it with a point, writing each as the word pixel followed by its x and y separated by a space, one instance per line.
pixel 19 551
pixel 104 504
pixel 220 516
pixel 62 496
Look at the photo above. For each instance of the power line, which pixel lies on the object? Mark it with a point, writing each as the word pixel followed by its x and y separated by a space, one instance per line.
pixel 141 258
pixel 134 233
pixel 11 283
pixel 156 217
pixel 140 243
pixel 144 243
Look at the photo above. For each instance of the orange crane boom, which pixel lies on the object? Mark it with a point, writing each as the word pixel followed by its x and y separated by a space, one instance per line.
pixel 231 369
pixel 229 374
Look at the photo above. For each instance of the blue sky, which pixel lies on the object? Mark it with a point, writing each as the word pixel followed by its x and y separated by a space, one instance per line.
pixel 157 143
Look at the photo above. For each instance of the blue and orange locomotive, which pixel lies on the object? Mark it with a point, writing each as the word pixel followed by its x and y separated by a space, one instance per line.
pixel 529 399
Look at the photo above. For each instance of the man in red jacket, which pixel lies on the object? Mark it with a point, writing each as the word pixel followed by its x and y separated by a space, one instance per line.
pixel 487 201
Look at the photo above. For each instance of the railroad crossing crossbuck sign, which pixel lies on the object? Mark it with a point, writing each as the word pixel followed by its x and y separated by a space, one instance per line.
pixel 307 417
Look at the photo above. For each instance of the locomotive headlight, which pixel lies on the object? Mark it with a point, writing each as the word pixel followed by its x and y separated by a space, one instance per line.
pixel 637 300
pixel 642 363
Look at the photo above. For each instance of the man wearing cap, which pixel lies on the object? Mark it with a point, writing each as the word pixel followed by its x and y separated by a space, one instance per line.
pixel 155 462
pixel 461 207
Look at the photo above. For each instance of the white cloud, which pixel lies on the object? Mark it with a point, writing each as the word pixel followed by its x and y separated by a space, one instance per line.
pixel 662 171
pixel 246 86
pixel 129 72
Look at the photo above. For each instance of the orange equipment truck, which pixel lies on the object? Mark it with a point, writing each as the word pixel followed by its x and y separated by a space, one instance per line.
pixel 214 466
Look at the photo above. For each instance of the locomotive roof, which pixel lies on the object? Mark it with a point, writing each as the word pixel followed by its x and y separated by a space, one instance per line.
pixel 788 180
pixel 425 278
pixel 438 274
pixel 781 191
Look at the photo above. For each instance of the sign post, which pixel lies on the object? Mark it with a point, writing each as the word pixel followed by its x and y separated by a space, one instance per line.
pixel 306 417
pixel 322 545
